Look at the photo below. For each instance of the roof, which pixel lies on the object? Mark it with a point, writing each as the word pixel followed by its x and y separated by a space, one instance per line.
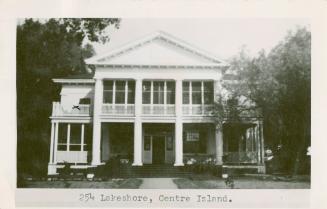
pixel 157 45
pixel 78 78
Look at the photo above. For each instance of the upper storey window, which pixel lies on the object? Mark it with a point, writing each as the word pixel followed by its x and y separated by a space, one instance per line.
pixel 118 92
pixel 158 92
pixel 198 92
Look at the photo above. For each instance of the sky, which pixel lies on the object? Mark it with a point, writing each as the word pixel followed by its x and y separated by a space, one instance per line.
pixel 222 37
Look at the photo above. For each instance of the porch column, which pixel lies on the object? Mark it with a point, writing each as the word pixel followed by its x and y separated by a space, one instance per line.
pixel 98 99
pixel 179 124
pixel 138 124
pixel 262 142
pixel 55 143
pixel 52 169
pixel 51 142
pixel 217 89
pixel 219 145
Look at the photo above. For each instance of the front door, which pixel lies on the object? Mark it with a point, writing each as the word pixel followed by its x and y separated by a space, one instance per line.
pixel 158 149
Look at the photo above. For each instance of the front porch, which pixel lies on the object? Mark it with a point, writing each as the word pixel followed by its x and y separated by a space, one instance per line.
pixel 201 143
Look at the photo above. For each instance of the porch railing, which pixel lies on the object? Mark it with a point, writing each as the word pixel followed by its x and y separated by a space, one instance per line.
pixel 118 109
pixel 158 109
pixel 197 110
pixel 240 157
pixel 75 110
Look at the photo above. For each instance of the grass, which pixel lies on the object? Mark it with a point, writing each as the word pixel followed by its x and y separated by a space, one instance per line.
pixel 111 184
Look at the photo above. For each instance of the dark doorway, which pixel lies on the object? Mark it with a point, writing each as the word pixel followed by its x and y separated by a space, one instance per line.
pixel 158 150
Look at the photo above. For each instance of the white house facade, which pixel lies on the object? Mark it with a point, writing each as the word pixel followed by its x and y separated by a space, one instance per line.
pixel 149 102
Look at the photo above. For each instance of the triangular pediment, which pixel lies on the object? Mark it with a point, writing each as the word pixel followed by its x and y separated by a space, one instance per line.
pixel 157 49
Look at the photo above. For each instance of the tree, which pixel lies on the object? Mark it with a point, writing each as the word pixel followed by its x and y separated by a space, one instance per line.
pixel 279 84
pixel 48 49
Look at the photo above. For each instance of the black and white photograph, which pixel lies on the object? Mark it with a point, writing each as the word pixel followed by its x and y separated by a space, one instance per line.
pixel 155 103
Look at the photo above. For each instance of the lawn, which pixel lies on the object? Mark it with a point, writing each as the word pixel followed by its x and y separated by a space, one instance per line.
pixel 110 184
pixel 240 183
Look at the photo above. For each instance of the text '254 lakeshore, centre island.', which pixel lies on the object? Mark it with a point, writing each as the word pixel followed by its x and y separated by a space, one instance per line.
pixel 164 198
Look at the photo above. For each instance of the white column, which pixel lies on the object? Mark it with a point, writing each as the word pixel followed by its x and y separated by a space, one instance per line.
pixel 258 141
pixel 219 145
pixel 138 124
pixel 51 142
pixel 98 97
pixel 262 142
pixel 202 98
pixel 52 169
pixel 82 137
pixel 165 97
pixel 126 96
pixel 179 124
pixel 55 143
pixel 190 98
pixel 151 98
pixel 68 136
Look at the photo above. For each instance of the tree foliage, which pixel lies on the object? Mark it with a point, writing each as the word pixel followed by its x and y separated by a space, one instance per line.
pixel 279 83
pixel 46 49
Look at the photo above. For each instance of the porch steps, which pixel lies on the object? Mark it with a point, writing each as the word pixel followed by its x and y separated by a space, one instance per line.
pixel 153 171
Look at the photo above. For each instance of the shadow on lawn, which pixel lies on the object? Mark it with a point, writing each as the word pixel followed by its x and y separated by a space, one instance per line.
pixel 110 184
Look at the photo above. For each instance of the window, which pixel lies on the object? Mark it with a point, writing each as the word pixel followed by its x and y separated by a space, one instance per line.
pixel 130 92
pixel 75 137
pixel 146 92
pixel 170 92
pixel 108 92
pixel 192 136
pixel 120 92
pixel 196 93
pixel 208 92
pixel 169 143
pixel 194 141
pixel 147 143
pixel 198 88
pixel 186 92
pixel 62 136
pixel 85 101
pixel 158 92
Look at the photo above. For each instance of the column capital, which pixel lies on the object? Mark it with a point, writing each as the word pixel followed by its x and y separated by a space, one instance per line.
pixel 138 79
pixel 98 79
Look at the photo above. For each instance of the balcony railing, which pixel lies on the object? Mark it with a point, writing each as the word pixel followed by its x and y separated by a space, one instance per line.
pixel 158 109
pixel 76 110
pixel 240 157
pixel 129 110
pixel 197 110
pixel 118 109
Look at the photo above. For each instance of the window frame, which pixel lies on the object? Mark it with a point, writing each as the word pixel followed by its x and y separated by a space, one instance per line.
pixel 67 144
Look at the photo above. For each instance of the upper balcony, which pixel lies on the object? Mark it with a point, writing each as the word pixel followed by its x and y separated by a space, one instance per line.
pixel 75 110
pixel 158 98
pixel 85 110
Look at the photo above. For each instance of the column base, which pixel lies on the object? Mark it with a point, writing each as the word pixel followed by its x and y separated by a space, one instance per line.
pixel 178 164
pixel 262 169
pixel 137 164
pixel 219 160
pixel 97 163
pixel 52 169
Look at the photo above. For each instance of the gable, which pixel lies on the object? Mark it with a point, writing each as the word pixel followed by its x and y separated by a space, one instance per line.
pixel 157 49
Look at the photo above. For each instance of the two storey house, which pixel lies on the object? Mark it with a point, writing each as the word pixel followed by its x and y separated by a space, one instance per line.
pixel 149 102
